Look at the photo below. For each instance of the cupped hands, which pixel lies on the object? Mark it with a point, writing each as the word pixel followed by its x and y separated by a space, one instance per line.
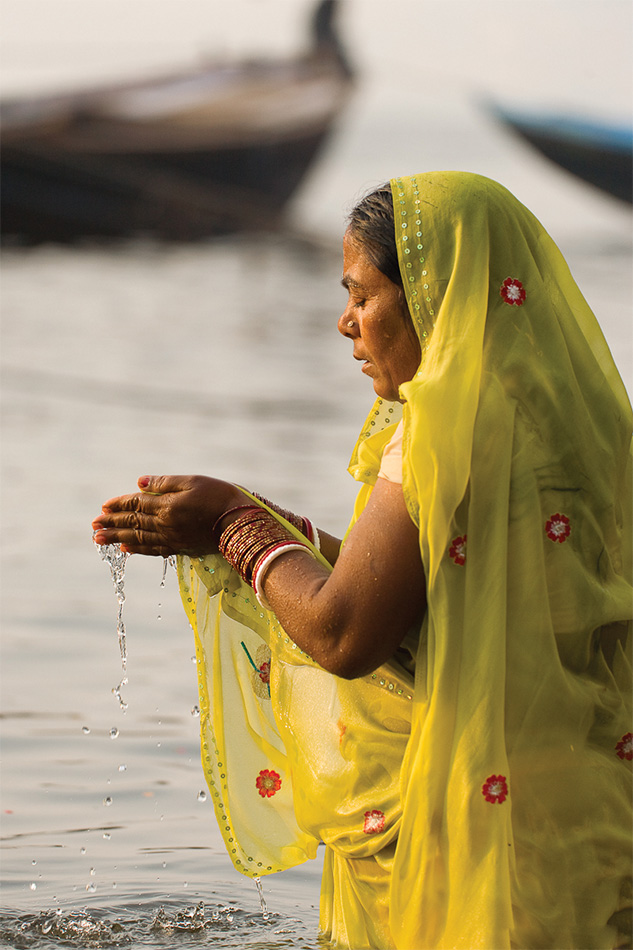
pixel 171 514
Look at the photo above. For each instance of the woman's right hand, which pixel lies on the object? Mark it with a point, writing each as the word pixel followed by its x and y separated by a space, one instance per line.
pixel 171 514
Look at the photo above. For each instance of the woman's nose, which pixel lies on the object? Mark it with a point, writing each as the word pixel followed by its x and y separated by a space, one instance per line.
pixel 346 325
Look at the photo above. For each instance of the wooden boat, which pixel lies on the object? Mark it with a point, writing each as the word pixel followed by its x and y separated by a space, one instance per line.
pixel 216 150
pixel 597 153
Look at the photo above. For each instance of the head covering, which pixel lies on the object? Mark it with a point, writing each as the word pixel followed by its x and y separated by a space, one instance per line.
pixel 484 802
pixel 516 468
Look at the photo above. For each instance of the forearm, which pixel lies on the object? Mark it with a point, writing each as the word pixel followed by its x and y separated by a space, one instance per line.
pixel 330 547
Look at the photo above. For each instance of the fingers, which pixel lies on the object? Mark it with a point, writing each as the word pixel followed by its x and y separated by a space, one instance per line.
pixel 131 538
pixel 148 550
pixel 161 484
pixel 151 486
pixel 136 520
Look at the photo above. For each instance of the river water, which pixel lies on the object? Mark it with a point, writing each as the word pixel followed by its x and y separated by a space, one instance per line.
pixel 220 358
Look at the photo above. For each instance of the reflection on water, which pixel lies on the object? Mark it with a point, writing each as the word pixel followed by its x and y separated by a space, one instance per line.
pixel 120 362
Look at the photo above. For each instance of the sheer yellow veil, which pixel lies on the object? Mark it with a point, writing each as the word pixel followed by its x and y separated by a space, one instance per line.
pixel 517 438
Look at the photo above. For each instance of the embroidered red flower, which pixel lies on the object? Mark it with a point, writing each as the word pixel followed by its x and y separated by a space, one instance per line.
pixel 557 528
pixel 374 822
pixel 624 748
pixel 513 292
pixel 268 783
pixel 495 789
pixel 457 549
pixel 264 672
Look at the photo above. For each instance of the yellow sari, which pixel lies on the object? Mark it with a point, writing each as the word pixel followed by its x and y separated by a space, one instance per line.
pixel 475 792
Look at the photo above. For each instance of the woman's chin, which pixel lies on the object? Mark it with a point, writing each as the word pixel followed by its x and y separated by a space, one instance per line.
pixel 386 391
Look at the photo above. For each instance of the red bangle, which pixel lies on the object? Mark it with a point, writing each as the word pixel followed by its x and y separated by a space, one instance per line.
pixel 229 511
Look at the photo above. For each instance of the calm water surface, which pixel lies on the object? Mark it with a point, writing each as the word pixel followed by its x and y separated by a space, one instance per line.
pixel 120 362
pixel 141 359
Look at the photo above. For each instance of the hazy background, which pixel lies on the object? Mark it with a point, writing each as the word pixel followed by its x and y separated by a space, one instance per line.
pixel 223 357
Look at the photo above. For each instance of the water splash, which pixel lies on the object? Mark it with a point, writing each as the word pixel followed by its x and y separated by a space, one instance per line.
pixel 116 560
pixel 189 920
pixel 172 924
pixel 75 929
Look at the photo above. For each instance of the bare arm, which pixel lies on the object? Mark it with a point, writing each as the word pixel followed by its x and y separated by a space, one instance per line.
pixel 350 620
pixel 353 619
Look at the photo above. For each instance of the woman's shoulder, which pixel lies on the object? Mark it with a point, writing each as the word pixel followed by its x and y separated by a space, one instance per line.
pixel 391 465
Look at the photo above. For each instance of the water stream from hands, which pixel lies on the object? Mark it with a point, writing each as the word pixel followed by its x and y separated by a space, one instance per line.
pixel 116 559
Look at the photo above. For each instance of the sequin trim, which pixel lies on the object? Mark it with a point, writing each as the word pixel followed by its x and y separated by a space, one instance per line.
pixel 391 687
pixel 415 257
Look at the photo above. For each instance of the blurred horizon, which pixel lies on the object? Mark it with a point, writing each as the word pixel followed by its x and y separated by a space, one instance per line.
pixel 572 53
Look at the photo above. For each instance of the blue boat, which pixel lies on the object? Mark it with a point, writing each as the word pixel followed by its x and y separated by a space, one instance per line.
pixel 598 153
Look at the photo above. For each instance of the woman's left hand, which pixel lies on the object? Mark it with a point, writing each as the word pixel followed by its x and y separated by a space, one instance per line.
pixel 172 514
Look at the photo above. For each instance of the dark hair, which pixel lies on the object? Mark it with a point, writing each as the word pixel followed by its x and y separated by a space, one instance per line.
pixel 371 224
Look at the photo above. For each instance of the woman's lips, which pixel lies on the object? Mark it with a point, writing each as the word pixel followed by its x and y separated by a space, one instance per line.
pixel 366 363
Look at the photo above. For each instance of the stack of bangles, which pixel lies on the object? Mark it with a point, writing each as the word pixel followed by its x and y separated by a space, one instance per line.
pixel 255 539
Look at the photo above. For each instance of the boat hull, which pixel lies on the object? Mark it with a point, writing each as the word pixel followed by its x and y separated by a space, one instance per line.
pixel 218 149
pixel 598 154
pixel 49 195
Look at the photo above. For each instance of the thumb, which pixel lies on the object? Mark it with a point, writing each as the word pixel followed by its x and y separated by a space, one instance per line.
pixel 160 484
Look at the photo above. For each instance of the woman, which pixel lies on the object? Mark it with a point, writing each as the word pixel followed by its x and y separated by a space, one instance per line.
pixel 443 699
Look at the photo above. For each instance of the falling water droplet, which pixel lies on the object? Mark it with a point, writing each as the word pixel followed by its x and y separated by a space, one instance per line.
pixel 33 886
pixel 107 801
pixel 114 733
pixel 123 768
pixel 85 730
pixel 195 711
pixel 92 872
pixel 106 835
pixel 262 900
pixel 33 863
pixel 202 796
pixel 117 692
pixel 91 888
pixel 82 851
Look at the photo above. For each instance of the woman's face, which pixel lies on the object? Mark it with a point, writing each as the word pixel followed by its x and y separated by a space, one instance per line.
pixel 382 332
